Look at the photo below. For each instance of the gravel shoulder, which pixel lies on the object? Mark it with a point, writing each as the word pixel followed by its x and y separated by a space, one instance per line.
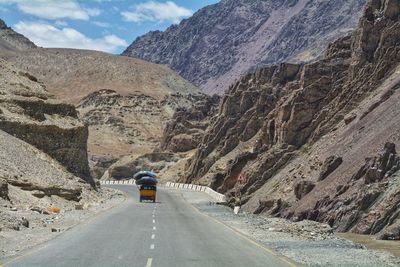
pixel 307 242
pixel 42 226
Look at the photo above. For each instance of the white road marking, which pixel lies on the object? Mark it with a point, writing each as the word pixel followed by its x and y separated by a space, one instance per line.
pixel 152 246
pixel 154 221
pixel 153 236
pixel 154 215
pixel 154 228
pixel 149 262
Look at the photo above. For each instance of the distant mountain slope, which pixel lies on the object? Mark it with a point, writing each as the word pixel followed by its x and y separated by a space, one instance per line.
pixel 11 40
pixel 221 42
pixel 72 74
pixel 125 101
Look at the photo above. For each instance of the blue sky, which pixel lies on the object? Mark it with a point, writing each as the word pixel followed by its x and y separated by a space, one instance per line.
pixel 106 25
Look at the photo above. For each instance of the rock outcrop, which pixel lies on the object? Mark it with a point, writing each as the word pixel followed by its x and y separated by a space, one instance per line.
pixel 275 128
pixel 330 164
pixel 27 113
pixel 186 128
pixel 129 125
pixel 12 41
pixel 125 101
pixel 221 42
pixel 4 189
pixel 126 167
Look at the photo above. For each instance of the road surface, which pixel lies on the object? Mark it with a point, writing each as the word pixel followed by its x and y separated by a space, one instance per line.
pixel 170 233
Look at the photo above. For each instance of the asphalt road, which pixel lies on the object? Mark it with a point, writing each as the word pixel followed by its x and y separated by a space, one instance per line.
pixel 170 232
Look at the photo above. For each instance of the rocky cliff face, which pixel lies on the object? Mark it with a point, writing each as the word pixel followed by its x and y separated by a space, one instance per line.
pixel 28 113
pixel 186 129
pixel 297 135
pixel 128 125
pixel 221 42
pixel 126 102
pixel 12 41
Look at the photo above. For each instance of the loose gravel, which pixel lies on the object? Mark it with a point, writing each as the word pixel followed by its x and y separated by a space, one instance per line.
pixel 307 243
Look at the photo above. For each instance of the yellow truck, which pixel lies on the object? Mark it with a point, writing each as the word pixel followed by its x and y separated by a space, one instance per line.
pixel 147 192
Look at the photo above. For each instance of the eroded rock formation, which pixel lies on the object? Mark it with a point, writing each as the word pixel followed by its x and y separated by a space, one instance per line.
pixel 27 113
pixel 277 127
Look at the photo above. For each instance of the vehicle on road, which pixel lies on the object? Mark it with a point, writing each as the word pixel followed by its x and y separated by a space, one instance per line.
pixel 147 192
pixel 147 184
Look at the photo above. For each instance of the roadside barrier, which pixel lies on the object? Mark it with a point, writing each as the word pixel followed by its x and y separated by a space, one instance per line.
pixel 217 196
pixel 125 182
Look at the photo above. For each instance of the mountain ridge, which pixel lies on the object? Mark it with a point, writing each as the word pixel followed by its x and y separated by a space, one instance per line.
pixel 224 41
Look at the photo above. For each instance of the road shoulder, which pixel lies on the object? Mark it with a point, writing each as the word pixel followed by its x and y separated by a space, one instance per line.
pixel 307 243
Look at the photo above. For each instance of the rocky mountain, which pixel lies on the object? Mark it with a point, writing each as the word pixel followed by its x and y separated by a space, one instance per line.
pixel 125 102
pixel 43 157
pixel 28 113
pixel 13 41
pixel 315 141
pixel 222 42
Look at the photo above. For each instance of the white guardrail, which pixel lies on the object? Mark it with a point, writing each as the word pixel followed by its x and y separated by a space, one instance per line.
pixel 217 196
pixel 132 182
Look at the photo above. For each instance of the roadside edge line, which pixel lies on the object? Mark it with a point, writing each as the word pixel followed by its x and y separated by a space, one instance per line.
pixel 245 237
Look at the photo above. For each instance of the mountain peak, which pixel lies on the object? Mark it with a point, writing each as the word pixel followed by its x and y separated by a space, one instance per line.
pixel 221 42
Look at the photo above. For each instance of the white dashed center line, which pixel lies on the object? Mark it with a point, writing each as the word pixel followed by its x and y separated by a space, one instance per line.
pixel 149 262
pixel 154 228
pixel 153 236
pixel 154 221
pixel 152 246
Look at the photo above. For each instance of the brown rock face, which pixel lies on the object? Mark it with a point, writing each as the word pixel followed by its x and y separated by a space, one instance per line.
pixel 128 166
pixel 3 189
pixel 12 41
pixel 330 164
pixel 302 188
pixel 129 125
pixel 186 129
pixel 370 208
pixel 277 126
pixel 28 114
pixel 223 41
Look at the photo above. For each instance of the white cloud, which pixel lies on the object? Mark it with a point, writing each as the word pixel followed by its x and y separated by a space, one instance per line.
pixel 61 23
pixel 101 24
pixel 93 11
pixel 157 11
pixel 46 35
pixel 51 9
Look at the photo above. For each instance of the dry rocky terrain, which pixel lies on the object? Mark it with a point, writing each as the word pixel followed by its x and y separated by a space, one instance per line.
pixel 222 42
pixel 315 141
pixel 308 243
pixel 45 186
pixel 125 102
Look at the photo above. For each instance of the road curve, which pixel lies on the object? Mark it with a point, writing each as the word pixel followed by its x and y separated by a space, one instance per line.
pixel 170 233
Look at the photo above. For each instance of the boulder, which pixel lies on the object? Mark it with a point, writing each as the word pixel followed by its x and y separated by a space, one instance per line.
pixel 302 188
pixel 4 189
pixel 390 233
pixel 330 164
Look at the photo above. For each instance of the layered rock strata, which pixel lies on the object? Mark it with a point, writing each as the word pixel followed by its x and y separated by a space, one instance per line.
pixel 288 135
